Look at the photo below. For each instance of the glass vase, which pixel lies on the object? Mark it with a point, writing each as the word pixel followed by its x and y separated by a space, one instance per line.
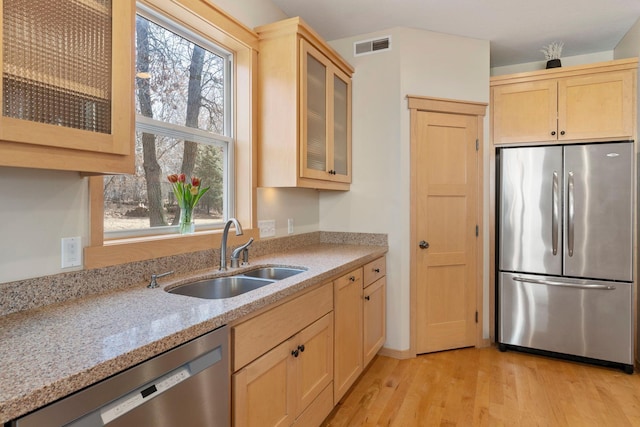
pixel 187 226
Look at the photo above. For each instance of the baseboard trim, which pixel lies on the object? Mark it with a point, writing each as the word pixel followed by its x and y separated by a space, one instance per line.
pixel 396 354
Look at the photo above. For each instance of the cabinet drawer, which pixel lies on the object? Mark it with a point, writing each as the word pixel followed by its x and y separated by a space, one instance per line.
pixel 347 279
pixel 374 270
pixel 260 334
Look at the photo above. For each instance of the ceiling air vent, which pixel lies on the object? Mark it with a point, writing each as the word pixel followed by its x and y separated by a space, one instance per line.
pixel 366 47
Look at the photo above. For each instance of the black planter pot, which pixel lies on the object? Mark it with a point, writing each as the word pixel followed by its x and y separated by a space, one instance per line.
pixel 554 63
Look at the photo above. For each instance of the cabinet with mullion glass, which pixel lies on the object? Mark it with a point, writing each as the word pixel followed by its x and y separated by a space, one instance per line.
pixel 305 110
pixel 65 65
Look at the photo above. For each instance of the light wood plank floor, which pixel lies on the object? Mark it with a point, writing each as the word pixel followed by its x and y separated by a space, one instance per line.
pixel 484 387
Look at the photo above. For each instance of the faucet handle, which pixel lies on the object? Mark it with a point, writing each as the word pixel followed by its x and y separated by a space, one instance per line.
pixel 154 282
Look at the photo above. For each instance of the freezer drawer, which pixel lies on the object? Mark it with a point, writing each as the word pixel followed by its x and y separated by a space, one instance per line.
pixel 577 317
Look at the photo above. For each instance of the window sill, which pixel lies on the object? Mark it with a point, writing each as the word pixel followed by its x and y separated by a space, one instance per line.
pixel 124 251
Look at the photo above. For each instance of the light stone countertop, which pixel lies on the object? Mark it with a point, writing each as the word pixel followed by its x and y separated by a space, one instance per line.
pixel 53 351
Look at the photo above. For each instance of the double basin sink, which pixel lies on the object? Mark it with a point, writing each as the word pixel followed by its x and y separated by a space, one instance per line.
pixel 231 286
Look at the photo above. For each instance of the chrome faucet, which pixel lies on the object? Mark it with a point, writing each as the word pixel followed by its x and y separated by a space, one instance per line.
pixel 235 255
pixel 223 246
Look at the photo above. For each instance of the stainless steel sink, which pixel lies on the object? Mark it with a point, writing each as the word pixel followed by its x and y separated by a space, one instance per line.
pixel 273 273
pixel 220 287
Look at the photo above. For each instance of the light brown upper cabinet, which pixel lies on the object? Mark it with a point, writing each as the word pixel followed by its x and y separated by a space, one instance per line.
pixel 67 85
pixel 593 102
pixel 305 109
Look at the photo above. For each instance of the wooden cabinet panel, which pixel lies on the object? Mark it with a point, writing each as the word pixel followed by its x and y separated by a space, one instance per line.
pixel 305 109
pixel 374 270
pixel 254 337
pixel 320 409
pixel 263 392
pixel 374 317
pixel 596 102
pixel 348 331
pixel 314 364
pixel 525 112
pixel 85 131
pixel 596 106
pixel 280 385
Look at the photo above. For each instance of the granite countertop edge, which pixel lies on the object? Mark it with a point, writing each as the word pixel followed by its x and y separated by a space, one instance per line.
pixel 34 374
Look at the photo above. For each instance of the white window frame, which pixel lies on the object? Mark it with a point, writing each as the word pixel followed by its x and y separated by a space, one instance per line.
pixel 159 127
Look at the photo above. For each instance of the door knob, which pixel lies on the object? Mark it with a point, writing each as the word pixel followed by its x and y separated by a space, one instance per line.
pixel 423 244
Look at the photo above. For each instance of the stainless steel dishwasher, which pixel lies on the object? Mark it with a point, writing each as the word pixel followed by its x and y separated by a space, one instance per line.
pixel 187 386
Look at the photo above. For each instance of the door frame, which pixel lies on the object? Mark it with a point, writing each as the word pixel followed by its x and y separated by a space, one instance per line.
pixel 449 106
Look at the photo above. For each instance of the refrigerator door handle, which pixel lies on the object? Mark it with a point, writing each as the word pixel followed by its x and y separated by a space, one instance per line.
pixel 555 216
pixel 570 213
pixel 564 284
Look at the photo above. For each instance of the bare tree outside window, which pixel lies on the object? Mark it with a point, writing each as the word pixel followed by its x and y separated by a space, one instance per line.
pixel 182 85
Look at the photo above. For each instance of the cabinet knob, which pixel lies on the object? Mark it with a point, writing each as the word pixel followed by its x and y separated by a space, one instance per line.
pixel 553 133
pixel 332 172
pixel 301 348
pixel 423 244
pixel 376 270
pixel 367 297
pixel 295 353
pixel 352 278
pixel 562 132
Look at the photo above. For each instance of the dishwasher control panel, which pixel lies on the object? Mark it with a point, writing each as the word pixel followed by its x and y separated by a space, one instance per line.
pixel 138 397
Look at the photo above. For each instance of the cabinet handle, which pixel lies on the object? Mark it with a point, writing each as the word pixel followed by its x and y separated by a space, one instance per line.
pixel 295 353
pixel 553 133
pixel 301 348
pixel 367 297
pixel 352 278
pixel 561 132
pixel 376 270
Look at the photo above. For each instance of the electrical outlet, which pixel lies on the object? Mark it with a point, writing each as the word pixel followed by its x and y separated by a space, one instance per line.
pixel 290 225
pixel 71 250
pixel 267 227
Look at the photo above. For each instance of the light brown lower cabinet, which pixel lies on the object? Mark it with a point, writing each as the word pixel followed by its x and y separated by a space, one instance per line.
pixel 294 362
pixel 374 314
pixel 347 305
pixel 278 388
pixel 359 300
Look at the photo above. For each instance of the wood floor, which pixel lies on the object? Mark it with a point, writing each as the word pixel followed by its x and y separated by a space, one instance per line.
pixel 484 387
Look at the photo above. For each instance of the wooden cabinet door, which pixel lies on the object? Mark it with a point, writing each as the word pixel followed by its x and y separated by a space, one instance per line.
pixel 325 131
pixel 79 117
pixel 264 390
pixel 340 140
pixel 348 331
pixel 316 84
pixel 374 319
pixel 596 106
pixel 314 362
pixel 525 112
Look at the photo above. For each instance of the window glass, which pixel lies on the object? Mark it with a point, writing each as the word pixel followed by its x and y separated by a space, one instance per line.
pixel 182 126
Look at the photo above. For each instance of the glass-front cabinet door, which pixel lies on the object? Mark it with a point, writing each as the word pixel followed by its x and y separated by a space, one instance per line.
pixel 326 124
pixel 341 127
pixel 65 66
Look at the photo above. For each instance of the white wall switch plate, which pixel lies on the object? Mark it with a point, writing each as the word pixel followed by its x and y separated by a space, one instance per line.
pixel 267 227
pixel 290 225
pixel 71 249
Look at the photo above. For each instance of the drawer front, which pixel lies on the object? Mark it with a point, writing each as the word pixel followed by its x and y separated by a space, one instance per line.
pixel 354 276
pixel 374 270
pixel 260 334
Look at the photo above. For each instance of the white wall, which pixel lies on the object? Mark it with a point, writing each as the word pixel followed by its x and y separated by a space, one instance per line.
pixel 629 46
pixel 38 208
pixel 280 204
pixel 420 63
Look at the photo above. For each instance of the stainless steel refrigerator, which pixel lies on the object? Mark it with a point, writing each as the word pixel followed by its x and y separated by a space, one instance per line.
pixel 565 233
